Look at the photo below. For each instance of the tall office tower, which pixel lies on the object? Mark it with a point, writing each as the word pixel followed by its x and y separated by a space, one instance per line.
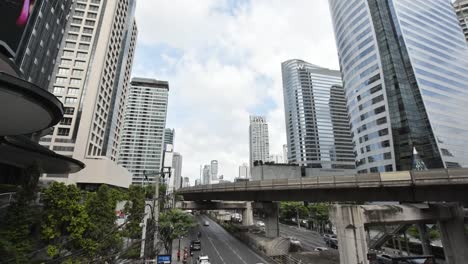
pixel 214 169
pixel 169 135
pixel 244 171
pixel 35 51
pixel 92 78
pixel 317 127
pixel 461 8
pixel 206 174
pixel 258 139
pixel 145 118
pixel 177 170
pixel 404 65
pixel 186 182
pixel 285 154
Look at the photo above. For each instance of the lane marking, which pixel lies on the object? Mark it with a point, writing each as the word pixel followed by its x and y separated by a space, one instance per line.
pixel 235 252
pixel 217 252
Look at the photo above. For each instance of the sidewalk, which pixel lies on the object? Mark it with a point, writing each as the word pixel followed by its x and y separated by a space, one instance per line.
pixel 184 242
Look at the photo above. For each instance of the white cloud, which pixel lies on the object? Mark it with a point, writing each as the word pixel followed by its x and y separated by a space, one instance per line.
pixel 228 65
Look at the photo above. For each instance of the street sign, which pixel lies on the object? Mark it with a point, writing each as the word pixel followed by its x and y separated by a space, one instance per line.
pixel 164 259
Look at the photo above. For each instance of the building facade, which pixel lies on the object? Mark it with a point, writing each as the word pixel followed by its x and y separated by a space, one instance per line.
pixel 404 65
pixel 206 177
pixel 259 145
pixel 276 158
pixel 92 78
pixel 244 171
pixel 285 153
pixel 169 135
pixel 177 170
pixel 214 170
pixel 317 126
pixel 461 8
pixel 186 182
pixel 37 52
pixel 145 119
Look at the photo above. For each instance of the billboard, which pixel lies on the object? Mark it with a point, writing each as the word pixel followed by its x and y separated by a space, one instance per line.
pixel 15 16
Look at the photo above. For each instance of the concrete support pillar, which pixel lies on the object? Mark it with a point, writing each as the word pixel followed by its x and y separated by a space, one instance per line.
pixel 247 215
pixel 352 242
pixel 454 240
pixel 424 237
pixel 272 219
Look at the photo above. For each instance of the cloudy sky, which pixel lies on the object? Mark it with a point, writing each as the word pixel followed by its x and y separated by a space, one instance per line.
pixel 222 59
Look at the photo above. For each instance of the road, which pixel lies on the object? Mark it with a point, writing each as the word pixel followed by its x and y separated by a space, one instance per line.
pixel 222 247
pixel 309 239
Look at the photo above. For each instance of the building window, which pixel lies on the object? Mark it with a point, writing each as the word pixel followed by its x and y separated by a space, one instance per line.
pixel 63 71
pixel 69 110
pixel 81 6
pixel 66 121
pixel 63 148
pixel 83 46
pixel 72 37
pixel 74 29
pixel 67 53
pixel 80 63
pixel 92 15
pixel 77 20
pixel 70 100
pixel 88 30
pixel 70 45
pixel 74 91
pixel 65 62
pixel 81 55
pixel 86 38
pixel 61 80
pixel 89 23
pixel 79 13
pixel 77 72
pixel 63 131
pixel 74 81
pixel 58 90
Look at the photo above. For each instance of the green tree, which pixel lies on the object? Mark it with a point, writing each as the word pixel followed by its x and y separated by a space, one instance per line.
pixel 134 209
pixel 102 237
pixel 289 210
pixel 64 220
pixel 320 215
pixel 22 218
pixel 173 224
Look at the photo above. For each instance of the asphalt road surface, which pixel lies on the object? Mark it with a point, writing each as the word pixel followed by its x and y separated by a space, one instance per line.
pixel 309 239
pixel 220 246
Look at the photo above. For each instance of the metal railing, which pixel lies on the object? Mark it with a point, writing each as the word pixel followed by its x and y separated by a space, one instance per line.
pixel 400 178
pixel 6 198
pixel 285 259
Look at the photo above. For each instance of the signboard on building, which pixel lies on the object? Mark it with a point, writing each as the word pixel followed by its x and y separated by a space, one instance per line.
pixel 15 15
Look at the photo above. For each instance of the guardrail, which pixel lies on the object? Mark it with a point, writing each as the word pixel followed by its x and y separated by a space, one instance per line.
pixel 386 179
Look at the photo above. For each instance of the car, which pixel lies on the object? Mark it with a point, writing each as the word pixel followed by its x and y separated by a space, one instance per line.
pixel 294 241
pixel 320 249
pixel 203 260
pixel 260 224
pixel 195 245
pixel 206 223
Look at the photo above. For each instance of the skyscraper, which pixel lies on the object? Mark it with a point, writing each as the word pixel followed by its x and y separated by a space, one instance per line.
pixel 461 8
pixel 169 135
pixel 404 65
pixel 92 78
pixel 317 127
pixel 244 171
pixel 177 170
pixel 145 118
pixel 214 170
pixel 37 53
pixel 258 139
pixel 285 154
pixel 206 175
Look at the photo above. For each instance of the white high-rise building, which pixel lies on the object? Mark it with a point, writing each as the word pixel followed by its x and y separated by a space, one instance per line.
pixel 244 171
pixel 276 158
pixel 177 170
pixel 285 154
pixel 206 175
pixel 258 139
pixel 214 170
pixel 145 118
pixel 91 79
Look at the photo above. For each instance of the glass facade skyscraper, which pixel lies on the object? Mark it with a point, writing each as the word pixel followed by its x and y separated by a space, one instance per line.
pixel 461 7
pixel 317 125
pixel 404 65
